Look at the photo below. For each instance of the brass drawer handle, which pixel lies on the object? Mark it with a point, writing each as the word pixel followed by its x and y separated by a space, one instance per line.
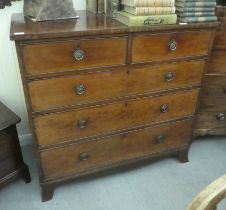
pixel 169 76
pixel 164 108
pixel 84 156
pixel 160 139
pixel 221 116
pixel 173 45
pixel 82 123
pixel 80 89
pixel 78 54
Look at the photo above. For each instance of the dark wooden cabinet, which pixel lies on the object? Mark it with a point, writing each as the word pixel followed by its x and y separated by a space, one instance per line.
pixel 211 118
pixel 102 95
pixel 12 165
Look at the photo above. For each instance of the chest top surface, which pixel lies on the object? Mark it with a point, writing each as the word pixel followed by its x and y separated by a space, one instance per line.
pixel 7 117
pixel 88 24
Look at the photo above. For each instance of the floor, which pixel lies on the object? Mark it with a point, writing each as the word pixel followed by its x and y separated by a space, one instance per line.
pixel 162 185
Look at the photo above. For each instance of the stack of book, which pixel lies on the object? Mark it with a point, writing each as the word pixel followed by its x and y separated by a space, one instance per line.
pixel 108 7
pixel 147 12
pixel 189 11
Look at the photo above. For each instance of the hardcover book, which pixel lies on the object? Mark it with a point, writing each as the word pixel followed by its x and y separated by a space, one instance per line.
pixel 92 6
pixel 195 14
pixel 197 19
pixel 149 3
pixel 133 20
pixel 195 4
pixel 195 9
pixel 149 10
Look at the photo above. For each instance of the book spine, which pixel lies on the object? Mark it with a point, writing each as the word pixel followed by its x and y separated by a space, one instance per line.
pixel 153 19
pixel 195 9
pixel 154 10
pixel 101 6
pixel 198 0
pixel 91 6
pixel 197 4
pixel 196 14
pixel 198 19
pixel 152 3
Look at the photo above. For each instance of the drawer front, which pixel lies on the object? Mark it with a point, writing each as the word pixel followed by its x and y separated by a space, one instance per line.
pixel 8 166
pixel 166 46
pixel 211 122
pixel 214 93
pixel 73 55
pixel 220 38
pixel 89 156
pixel 217 62
pixel 60 127
pixel 92 87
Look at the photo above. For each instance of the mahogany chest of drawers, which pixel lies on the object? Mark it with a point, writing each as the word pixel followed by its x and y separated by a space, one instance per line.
pixel 101 95
pixel 211 117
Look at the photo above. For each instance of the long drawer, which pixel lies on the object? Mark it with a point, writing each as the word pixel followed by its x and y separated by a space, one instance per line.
pixel 214 93
pixel 91 87
pixel 71 125
pixel 72 55
pixel 167 46
pixel 93 155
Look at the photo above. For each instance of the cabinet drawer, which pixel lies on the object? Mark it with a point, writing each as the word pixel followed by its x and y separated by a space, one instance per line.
pixel 167 46
pixel 89 156
pixel 60 127
pixel 92 87
pixel 214 92
pixel 73 55
pixel 217 62
pixel 220 39
pixel 211 122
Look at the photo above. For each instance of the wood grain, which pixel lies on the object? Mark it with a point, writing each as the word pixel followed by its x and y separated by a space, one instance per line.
pixel 58 92
pixel 61 127
pixel 214 93
pixel 157 45
pixel 217 62
pixel 212 195
pixel 55 57
pixel 88 24
pixel 208 124
pixel 65 161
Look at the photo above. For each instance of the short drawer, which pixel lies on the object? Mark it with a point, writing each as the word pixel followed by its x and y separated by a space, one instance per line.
pixel 211 122
pixel 91 156
pixel 217 62
pixel 92 87
pixel 170 45
pixel 73 55
pixel 71 125
pixel 214 92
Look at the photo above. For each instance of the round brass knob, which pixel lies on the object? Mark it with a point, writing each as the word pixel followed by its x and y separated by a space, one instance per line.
pixel 164 108
pixel 160 139
pixel 221 116
pixel 169 76
pixel 82 123
pixel 80 89
pixel 78 54
pixel 172 45
pixel 84 156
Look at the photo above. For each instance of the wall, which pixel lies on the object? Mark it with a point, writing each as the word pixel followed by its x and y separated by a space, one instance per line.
pixel 11 92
